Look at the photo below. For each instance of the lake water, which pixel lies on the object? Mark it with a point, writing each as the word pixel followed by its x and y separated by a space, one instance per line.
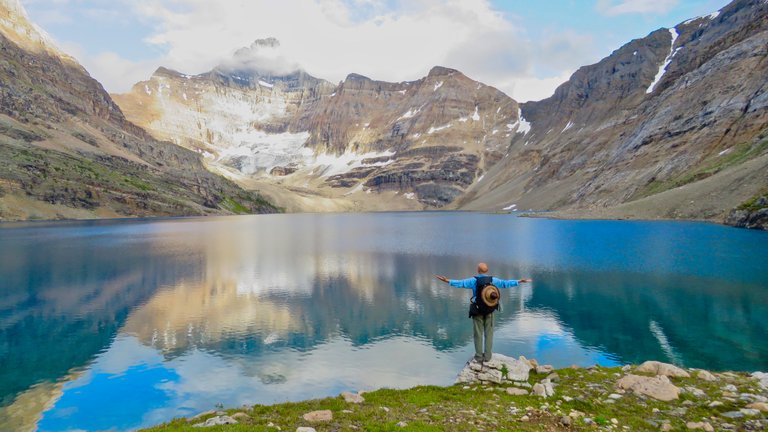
pixel 123 324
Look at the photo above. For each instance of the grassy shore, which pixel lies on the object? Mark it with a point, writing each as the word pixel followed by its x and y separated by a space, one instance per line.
pixel 584 399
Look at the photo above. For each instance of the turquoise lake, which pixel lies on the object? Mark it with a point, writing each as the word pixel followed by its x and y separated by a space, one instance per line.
pixel 117 325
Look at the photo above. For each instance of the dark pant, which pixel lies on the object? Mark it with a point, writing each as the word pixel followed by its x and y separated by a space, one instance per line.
pixel 483 328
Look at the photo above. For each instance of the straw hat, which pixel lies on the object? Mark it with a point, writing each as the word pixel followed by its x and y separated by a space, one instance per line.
pixel 490 295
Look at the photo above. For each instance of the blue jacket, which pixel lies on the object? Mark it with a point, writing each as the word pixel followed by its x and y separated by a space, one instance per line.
pixel 471 283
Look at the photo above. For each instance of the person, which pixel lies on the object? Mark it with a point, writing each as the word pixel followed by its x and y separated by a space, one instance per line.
pixel 482 324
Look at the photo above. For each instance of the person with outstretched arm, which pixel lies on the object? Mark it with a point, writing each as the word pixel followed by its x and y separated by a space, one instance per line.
pixel 481 309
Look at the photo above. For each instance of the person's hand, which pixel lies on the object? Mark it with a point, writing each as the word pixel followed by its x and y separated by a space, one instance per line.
pixel 442 278
pixel 525 280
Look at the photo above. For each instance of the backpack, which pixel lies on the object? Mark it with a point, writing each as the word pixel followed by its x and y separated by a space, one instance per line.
pixel 477 306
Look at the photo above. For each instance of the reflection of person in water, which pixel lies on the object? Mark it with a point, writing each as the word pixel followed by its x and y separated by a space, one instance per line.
pixel 485 300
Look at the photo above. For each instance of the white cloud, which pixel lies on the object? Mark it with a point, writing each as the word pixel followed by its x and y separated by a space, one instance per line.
pixel 620 7
pixel 381 39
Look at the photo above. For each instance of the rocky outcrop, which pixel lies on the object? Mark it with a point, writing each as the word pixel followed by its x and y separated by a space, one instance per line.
pixel 498 370
pixel 753 214
pixel 658 387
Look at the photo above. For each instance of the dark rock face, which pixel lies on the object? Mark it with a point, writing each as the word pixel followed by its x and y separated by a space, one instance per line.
pixel 64 141
pixel 753 216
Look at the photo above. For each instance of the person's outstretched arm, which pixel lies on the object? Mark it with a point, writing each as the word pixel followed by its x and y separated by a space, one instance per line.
pixel 509 283
pixel 468 283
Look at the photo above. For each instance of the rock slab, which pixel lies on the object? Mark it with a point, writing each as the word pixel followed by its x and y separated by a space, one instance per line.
pixel 658 387
pixel 659 368
pixel 319 416
pixel 350 397
pixel 217 421
pixel 498 370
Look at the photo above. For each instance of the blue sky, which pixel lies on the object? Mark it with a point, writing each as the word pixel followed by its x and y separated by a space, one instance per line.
pixel 525 48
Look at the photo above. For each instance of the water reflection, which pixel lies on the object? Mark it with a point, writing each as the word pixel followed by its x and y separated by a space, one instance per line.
pixel 177 316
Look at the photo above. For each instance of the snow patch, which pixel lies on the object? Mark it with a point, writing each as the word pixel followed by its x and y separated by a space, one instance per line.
pixel 410 113
pixel 510 207
pixel 184 95
pixel 410 196
pixel 333 94
pixel 147 89
pixel 724 152
pixel 265 84
pixel 568 126
pixel 479 179
pixel 524 125
pixel 437 129
pixel 330 164
pixel 476 115
pixel 402 92
pixel 634 53
pixel 438 85
pixel 667 61
pixel 257 151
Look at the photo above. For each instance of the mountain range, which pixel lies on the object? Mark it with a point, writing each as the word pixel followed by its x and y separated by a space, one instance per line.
pixel 672 125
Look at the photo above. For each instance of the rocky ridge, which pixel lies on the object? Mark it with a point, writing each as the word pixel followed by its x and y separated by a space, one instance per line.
pixel 422 141
pixel 650 123
pixel 69 152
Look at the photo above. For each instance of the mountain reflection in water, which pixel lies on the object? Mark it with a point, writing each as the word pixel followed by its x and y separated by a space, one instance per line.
pixel 175 316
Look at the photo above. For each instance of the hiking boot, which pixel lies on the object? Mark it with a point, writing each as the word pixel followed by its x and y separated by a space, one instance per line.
pixel 478 359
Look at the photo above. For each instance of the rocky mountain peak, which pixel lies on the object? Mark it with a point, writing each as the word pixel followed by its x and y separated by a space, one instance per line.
pixel 16 26
pixel 438 71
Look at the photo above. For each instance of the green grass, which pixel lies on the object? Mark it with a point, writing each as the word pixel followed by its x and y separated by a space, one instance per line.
pixel 479 408
pixel 752 204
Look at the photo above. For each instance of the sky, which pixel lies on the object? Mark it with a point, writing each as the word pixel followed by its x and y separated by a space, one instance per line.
pixel 524 48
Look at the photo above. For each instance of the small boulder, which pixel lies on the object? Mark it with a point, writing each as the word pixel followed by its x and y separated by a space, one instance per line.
pixel 749 412
pixel 659 368
pixel 566 421
pixel 217 421
pixel 705 375
pixel 762 378
pixel 514 391
pixel 545 369
pixel 401 424
pixel 350 397
pixel 240 416
pixel 318 416
pixel 658 387
pixel 305 429
pixel 539 390
pixel 760 406
pixel 700 425
pixel 665 427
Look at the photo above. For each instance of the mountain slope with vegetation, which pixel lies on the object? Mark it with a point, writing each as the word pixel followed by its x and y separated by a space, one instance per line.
pixel 68 151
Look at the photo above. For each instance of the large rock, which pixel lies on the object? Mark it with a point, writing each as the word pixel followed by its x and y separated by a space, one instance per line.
pixel 762 378
pixel 700 425
pixel 217 421
pixel 499 370
pixel 705 375
pixel 352 397
pixel 659 368
pixel 319 416
pixel 658 387
pixel 760 406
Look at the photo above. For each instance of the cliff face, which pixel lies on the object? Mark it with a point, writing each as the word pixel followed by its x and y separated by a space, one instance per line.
pixel 68 151
pixel 676 121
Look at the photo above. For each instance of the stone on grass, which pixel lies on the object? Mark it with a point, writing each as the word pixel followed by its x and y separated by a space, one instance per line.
pixel 305 429
pixel 319 416
pixel 545 369
pixel 760 406
pixel 715 404
pixel 350 397
pixel 733 414
pixel 514 391
pixel 241 416
pixel 700 425
pixel 658 387
pixel 540 390
pixel 217 421
pixel 401 424
pixel 566 421
pixel 659 368
pixel 750 412
pixel 666 427
pixel 762 378
pixel 705 375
